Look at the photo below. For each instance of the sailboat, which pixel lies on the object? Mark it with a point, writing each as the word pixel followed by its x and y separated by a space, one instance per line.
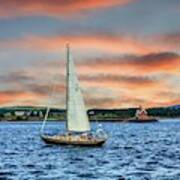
pixel 78 128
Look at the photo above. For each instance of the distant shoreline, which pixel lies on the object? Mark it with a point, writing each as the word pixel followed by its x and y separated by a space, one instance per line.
pixel 102 120
pixel 30 113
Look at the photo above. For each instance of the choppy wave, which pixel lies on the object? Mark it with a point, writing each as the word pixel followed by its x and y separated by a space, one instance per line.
pixel 133 151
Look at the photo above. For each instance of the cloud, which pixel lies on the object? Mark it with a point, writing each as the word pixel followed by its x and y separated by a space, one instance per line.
pixel 125 81
pixel 164 62
pixel 168 41
pixel 128 100
pixel 30 93
pixel 101 102
pixel 167 97
pixel 98 90
pixel 121 81
pixel 157 62
pixel 103 43
pixel 25 87
pixel 10 8
pixel 123 90
pixel 13 96
pixel 29 89
pixel 44 89
pixel 19 76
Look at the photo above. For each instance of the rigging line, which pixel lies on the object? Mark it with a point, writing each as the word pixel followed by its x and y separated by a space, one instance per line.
pixel 47 110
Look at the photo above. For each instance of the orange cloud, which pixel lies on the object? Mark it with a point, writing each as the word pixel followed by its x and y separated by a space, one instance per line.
pixel 93 43
pixel 123 90
pixel 10 96
pixel 102 102
pixel 99 91
pixel 129 100
pixel 54 8
pixel 169 41
pixel 109 44
pixel 121 81
pixel 124 81
pixel 131 79
pixel 167 97
pixel 165 62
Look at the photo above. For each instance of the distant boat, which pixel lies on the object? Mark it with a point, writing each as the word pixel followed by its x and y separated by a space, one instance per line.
pixel 78 129
pixel 141 116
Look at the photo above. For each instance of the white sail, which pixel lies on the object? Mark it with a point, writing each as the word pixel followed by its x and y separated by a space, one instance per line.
pixel 77 119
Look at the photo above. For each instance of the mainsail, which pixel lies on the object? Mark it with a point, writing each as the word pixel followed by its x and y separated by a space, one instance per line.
pixel 77 119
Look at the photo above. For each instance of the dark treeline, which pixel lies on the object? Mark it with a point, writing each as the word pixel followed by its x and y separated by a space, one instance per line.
pixel 161 112
pixel 38 113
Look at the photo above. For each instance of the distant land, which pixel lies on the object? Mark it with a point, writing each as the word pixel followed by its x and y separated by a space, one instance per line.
pixel 29 113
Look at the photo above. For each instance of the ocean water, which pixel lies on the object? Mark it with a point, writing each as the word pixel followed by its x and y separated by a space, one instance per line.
pixel 132 152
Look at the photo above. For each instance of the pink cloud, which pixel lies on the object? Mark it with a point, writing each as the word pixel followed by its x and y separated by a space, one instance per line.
pixel 11 8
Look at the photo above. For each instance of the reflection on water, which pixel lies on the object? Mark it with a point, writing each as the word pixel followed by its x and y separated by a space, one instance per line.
pixel 133 151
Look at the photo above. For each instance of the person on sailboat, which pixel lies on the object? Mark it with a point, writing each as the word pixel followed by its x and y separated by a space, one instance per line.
pixel 100 132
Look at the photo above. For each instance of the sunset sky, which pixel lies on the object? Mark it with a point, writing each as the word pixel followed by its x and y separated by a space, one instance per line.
pixel 127 52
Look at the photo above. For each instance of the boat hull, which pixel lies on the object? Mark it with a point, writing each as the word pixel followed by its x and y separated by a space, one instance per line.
pixel 65 140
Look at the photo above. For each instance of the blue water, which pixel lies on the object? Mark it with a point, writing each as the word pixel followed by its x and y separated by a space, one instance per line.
pixel 133 151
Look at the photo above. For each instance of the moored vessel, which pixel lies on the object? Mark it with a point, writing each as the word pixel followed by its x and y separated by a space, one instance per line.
pixel 141 116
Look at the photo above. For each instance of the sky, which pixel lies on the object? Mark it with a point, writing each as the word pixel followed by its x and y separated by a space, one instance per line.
pixel 126 52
